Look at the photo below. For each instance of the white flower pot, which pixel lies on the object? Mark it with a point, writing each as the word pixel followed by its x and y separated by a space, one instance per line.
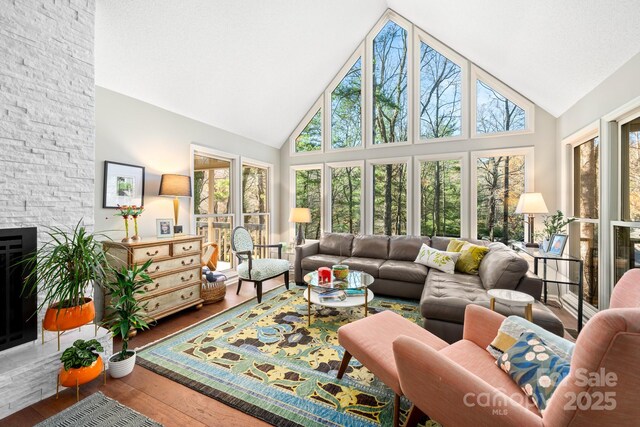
pixel 122 368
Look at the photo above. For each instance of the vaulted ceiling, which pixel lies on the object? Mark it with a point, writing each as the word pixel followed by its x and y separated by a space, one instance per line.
pixel 254 67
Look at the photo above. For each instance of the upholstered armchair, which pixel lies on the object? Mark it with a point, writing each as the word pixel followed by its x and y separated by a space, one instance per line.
pixel 256 270
pixel 461 385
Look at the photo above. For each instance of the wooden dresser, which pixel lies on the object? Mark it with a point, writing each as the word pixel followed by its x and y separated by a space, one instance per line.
pixel 175 271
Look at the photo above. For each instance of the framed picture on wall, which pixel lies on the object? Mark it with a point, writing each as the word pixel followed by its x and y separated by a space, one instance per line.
pixel 123 185
pixel 557 244
pixel 164 227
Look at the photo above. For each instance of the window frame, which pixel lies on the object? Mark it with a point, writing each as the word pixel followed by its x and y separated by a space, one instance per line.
pixel 369 187
pixel 327 131
pixel 529 108
pixel 292 193
pixel 463 157
pixel 389 15
pixel 619 176
pixel 529 178
pixel 318 105
pixel 421 36
pixel 327 191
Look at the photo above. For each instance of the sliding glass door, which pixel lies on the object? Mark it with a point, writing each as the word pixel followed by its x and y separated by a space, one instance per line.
pixel 256 216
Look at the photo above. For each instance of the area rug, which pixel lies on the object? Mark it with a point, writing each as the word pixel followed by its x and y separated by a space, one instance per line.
pixel 264 360
pixel 98 410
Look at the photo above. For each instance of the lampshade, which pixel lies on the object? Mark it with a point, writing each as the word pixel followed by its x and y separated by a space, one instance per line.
pixel 175 185
pixel 300 215
pixel 531 203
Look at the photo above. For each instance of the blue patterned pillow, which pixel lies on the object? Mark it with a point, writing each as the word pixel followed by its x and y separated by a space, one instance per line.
pixel 534 367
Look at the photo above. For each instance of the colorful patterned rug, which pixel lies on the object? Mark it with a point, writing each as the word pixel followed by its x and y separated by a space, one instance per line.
pixel 263 360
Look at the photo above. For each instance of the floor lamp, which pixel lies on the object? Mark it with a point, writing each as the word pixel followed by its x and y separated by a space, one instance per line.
pixel 531 204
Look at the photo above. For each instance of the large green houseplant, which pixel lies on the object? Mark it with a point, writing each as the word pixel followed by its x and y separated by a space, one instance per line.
pixel 126 313
pixel 62 269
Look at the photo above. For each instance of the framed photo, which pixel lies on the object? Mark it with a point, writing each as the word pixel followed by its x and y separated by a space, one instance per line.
pixel 557 243
pixel 164 227
pixel 123 185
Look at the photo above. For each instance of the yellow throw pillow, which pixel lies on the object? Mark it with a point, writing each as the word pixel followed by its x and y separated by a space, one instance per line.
pixel 470 255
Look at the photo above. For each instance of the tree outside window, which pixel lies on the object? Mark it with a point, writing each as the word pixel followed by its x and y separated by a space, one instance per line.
pixel 390 199
pixel 309 195
pixel 440 184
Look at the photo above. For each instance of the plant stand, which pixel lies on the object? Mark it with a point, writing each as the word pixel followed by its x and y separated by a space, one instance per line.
pixel 77 377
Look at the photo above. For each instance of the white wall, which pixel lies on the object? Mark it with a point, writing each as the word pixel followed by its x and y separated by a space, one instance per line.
pixel 543 140
pixel 134 132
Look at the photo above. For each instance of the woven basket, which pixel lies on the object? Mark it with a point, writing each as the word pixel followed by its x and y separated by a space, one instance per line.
pixel 213 291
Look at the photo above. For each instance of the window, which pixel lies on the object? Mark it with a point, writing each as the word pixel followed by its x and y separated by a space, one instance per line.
pixel 440 197
pixel 630 137
pixel 308 194
pixel 390 198
pixel 496 113
pixel 310 138
pixel 500 180
pixel 345 203
pixel 390 103
pixel 440 95
pixel 586 202
pixel 213 203
pixel 255 205
pixel 346 109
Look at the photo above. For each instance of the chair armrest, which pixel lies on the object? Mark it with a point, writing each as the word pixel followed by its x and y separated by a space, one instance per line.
pixel 276 245
pixel 450 394
pixel 302 252
pixel 481 325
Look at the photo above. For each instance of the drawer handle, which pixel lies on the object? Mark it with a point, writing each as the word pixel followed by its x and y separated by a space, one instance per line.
pixel 190 295
pixel 187 279
pixel 190 262
pixel 187 249
pixel 157 268
pixel 152 254
pixel 156 307
pixel 146 288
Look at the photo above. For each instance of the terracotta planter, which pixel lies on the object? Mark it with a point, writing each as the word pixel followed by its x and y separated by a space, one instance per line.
pixel 78 376
pixel 122 368
pixel 69 318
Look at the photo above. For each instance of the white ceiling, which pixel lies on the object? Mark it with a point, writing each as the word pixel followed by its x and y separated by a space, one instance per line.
pixel 254 67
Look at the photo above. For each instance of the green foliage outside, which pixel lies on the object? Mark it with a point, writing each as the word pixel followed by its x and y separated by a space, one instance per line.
pixel 308 195
pixel 390 199
pixel 440 198
pixel 310 139
pixel 345 199
pixel 346 109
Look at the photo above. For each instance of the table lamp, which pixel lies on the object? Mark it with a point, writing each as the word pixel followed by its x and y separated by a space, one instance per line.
pixel 300 216
pixel 531 204
pixel 175 186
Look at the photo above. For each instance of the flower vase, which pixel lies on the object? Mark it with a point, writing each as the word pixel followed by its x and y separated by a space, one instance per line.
pixel 126 239
pixel 135 236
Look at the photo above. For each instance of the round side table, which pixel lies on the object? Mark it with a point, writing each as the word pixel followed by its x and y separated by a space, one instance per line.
pixel 512 298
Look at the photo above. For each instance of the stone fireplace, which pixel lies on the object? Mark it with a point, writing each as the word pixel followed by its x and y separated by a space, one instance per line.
pixel 47 144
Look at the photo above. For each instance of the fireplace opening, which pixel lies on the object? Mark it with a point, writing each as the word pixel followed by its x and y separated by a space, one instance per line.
pixel 18 325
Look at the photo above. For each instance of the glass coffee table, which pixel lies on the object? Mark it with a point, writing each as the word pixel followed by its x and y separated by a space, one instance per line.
pixel 355 280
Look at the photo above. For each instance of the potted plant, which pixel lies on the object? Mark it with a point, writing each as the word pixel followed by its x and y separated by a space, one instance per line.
pixel 125 313
pixel 554 224
pixel 62 269
pixel 81 363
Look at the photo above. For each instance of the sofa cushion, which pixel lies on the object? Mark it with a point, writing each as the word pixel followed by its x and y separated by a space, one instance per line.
pixel 433 258
pixel 404 271
pixel 445 296
pixel 441 243
pixel 371 247
pixel 336 244
pixel 406 248
pixel 368 265
pixel 502 268
pixel 314 262
pixel 471 255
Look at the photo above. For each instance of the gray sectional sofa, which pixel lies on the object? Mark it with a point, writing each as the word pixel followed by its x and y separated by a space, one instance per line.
pixel 443 297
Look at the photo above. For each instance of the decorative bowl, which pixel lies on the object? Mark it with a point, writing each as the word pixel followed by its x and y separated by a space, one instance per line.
pixel 340 271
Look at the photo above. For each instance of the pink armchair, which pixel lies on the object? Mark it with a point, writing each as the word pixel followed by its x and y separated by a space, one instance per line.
pixel 461 385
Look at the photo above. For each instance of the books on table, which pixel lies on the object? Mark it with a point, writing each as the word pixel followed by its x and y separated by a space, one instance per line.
pixel 335 296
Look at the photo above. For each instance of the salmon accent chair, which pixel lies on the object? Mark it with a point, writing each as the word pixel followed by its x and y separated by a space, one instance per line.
pixel 461 384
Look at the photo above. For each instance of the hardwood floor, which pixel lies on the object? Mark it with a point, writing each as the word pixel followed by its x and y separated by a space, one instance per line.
pixel 159 398
pixel 153 395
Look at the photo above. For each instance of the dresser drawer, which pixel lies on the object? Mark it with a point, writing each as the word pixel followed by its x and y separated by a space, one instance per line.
pixel 174 280
pixel 168 301
pixel 181 248
pixel 140 255
pixel 160 267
